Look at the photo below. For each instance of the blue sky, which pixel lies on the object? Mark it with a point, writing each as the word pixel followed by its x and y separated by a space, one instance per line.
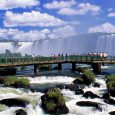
pixel 30 20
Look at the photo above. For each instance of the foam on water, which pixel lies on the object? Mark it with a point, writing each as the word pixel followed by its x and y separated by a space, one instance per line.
pixel 70 97
pixel 51 79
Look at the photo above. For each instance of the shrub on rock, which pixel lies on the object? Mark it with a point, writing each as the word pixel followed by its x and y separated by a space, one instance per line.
pixel 53 102
pixel 110 78
pixel 110 81
pixel 87 78
pixel 16 82
pixel 111 87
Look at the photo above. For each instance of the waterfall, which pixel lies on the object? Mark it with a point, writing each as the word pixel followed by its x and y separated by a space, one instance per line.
pixel 80 44
pixel 106 43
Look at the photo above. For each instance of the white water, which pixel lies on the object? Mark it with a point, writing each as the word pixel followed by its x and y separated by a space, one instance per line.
pixel 80 44
pixel 70 98
pixel 106 43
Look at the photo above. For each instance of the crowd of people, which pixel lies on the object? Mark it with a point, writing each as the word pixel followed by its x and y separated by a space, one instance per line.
pixel 101 54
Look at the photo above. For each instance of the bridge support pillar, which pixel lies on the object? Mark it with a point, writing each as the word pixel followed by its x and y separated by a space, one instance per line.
pixel 35 69
pixel 59 66
pixel 73 66
pixel 96 68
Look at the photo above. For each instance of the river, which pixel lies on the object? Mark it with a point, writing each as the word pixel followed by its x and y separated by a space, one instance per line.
pixel 51 79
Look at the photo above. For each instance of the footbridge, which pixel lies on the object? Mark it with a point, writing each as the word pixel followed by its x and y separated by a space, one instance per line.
pixel 94 61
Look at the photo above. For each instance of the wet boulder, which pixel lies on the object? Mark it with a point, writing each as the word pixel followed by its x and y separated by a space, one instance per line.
pixel 60 86
pixel 14 102
pixel 110 101
pixel 90 94
pixel 106 96
pixel 96 85
pixel 90 104
pixel 53 102
pixel 72 87
pixel 79 91
pixel 20 112
pixel 112 113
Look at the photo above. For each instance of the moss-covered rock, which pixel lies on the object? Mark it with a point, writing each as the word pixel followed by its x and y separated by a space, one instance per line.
pixel 87 78
pixel 111 87
pixel 110 78
pixel 110 81
pixel 53 102
pixel 16 82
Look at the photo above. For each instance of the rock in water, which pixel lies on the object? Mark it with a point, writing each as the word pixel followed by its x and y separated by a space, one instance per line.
pixel 106 96
pixel 90 104
pixel 79 91
pixel 20 112
pixel 14 102
pixel 110 101
pixel 96 85
pixel 53 102
pixel 89 94
pixel 112 113
pixel 72 87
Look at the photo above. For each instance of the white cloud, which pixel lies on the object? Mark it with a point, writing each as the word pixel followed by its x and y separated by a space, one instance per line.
pixel 112 14
pixel 34 35
pixel 60 4
pixel 15 34
pixel 110 9
pixel 87 7
pixel 63 32
pixel 82 9
pixel 104 28
pixel 33 18
pixel 67 11
pixel 10 4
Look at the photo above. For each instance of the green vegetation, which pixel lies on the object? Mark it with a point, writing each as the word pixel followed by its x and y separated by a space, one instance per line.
pixel 16 82
pixel 53 99
pixel 110 81
pixel 50 105
pixel 82 69
pixel 110 78
pixel 111 85
pixel 45 67
pixel 87 78
pixel 89 75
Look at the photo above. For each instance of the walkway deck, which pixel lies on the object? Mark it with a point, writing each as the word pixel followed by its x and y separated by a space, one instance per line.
pixel 24 61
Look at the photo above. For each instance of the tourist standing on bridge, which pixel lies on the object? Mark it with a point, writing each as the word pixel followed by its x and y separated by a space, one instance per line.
pixel 66 57
pixel 59 56
pixel 62 57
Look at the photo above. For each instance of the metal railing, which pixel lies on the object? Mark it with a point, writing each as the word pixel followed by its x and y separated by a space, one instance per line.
pixel 76 58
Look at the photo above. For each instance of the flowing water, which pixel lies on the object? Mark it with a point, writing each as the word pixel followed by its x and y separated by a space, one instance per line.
pixel 80 44
pixel 96 43
pixel 44 82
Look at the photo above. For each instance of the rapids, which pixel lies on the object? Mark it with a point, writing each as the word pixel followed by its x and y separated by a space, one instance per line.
pixel 34 107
